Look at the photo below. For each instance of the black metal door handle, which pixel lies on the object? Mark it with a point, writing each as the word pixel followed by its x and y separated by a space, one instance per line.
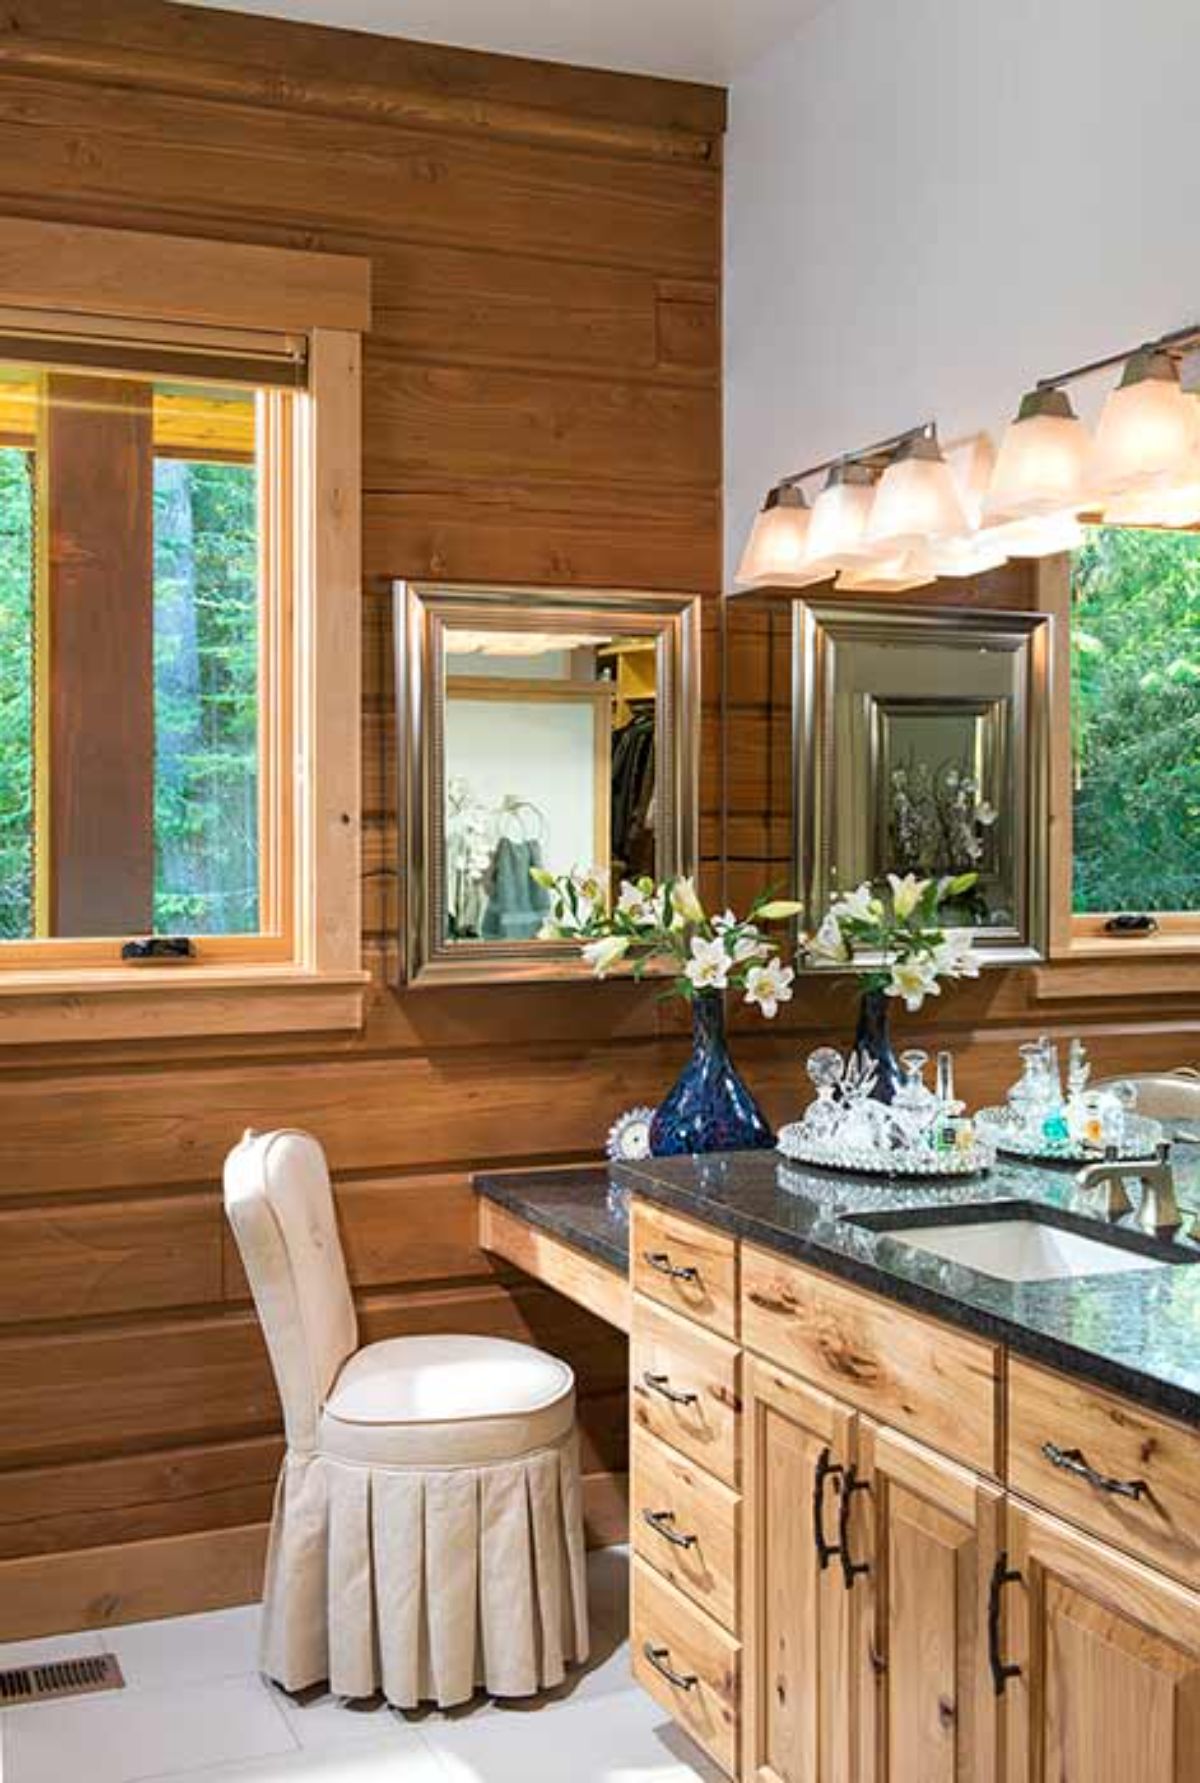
pixel 851 1569
pixel 661 1521
pixel 1072 1461
pixel 826 1469
pixel 1002 1575
pixel 678 1272
pixel 660 1383
pixel 658 1657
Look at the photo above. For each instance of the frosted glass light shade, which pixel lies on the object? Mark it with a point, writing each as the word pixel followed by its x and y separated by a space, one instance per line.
pixel 1044 463
pixel 837 536
pixel 969 556
pixel 917 500
pixel 1147 432
pixel 775 550
pixel 1045 536
pixel 890 575
pixel 1170 505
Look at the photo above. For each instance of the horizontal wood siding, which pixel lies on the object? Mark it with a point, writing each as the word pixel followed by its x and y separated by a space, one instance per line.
pixel 542 405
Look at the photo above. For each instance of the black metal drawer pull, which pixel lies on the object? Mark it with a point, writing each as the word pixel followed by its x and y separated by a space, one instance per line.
pixel 826 1469
pixel 1002 1575
pixel 661 1521
pixel 657 1657
pixel 1072 1461
pixel 660 1383
pixel 851 1569
pixel 678 1272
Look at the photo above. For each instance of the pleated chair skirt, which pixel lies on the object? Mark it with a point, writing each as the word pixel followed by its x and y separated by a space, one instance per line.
pixel 426 1583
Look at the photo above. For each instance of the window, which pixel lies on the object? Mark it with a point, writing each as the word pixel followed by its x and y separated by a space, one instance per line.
pixel 141 643
pixel 180 592
pixel 1135 718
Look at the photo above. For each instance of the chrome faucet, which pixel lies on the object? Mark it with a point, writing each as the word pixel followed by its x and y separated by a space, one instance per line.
pixel 1104 1185
pixel 1158 1211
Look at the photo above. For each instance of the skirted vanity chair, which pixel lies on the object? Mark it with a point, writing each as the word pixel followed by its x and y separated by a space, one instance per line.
pixel 428 1530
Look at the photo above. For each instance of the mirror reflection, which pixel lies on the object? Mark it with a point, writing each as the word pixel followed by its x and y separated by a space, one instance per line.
pixel 549 762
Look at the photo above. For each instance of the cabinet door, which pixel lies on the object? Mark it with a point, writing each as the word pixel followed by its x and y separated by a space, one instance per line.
pixel 1108 1689
pixel 928 1534
pixel 796 1630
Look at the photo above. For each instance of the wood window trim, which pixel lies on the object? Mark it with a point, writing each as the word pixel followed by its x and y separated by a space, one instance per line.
pixel 136 286
pixel 1085 962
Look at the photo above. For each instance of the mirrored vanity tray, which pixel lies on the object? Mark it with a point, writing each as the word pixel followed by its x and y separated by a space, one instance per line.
pixel 1139 1139
pixel 867 1160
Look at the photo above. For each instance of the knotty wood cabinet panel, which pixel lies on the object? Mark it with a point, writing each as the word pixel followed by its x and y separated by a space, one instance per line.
pixel 913 1372
pixel 1108 1687
pixel 1121 1441
pixel 797 1614
pixel 928 1534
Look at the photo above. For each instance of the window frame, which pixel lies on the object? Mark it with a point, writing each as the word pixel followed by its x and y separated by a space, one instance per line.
pixel 226 298
pixel 1080 936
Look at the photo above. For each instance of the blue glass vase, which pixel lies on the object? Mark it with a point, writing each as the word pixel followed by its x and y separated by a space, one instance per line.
pixel 709 1109
pixel 874 1039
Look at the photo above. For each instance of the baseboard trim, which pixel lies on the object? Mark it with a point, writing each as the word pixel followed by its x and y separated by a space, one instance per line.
pixel 178 1575
pixel 169 1575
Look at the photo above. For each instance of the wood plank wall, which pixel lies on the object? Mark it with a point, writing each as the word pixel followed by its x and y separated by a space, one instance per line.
pixel 542 405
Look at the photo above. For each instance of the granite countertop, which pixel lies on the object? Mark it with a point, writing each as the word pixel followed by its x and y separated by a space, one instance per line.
pixel 1137 1332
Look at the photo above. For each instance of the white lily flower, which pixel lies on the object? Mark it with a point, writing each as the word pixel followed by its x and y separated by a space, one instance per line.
pixel 955 955
pixel 906 894
pixel 860 905
pixel 769 986
pixel 829 944
pixel 708 968
pixel 604 954
pixel 636 904
pixel 685 902
pixel 750 946
pixel 914 980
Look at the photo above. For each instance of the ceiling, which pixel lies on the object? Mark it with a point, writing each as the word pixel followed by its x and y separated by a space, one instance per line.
pixel 701 40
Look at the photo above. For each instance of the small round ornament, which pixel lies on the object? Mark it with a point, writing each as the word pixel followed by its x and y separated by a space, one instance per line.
pixel 629 1136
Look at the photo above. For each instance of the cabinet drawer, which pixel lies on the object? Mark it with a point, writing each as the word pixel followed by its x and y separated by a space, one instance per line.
pixel 1122 1444
pixel 687 1663
pixel 913 1373
pixel 683 1385
pixel 691 1268
pixel 685 1525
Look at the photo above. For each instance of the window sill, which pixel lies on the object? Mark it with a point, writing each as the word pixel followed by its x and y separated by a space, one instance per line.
pixel 1163 965
pixel 39 1008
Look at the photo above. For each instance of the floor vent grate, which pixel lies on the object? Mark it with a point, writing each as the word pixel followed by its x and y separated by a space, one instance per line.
pixel 58 1678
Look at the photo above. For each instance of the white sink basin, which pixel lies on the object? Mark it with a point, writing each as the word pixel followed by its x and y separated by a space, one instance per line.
pixel 1019 1250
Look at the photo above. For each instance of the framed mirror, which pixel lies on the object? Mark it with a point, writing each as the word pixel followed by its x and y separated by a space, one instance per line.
pixel 537 728
pixel 921 746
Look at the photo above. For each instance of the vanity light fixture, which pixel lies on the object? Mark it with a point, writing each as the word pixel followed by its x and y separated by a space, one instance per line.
pixel 775 550
pixel 893 515
pixel 837 536
pixel 917 501
pixel 1044 462
pixel 1147 435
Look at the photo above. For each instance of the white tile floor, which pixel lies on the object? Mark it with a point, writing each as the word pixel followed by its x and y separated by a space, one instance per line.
pixel 195 1708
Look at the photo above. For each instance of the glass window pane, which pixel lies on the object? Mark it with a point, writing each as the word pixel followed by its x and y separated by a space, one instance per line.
pixel 206 658
pixel 16 693
pixel 1135 669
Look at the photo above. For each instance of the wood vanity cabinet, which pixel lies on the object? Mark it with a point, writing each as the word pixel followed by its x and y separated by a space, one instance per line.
pixel 930 1585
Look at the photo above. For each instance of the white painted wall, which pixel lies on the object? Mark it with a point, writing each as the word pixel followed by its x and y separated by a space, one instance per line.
pixel 930 203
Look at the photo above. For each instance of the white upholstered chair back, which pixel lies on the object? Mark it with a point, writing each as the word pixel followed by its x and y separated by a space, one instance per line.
pixel 280 1204
pixel 1165 1095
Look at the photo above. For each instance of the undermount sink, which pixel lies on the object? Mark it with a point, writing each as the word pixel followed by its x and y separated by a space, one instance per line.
pixel 1017 1242
pixel 1026 1250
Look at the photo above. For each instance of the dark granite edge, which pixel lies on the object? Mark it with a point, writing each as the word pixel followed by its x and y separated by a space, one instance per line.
pixel 1150 1390
pixel 510 1189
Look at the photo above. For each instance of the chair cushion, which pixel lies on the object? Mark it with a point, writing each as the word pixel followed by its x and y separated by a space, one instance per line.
pixel 446 1401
